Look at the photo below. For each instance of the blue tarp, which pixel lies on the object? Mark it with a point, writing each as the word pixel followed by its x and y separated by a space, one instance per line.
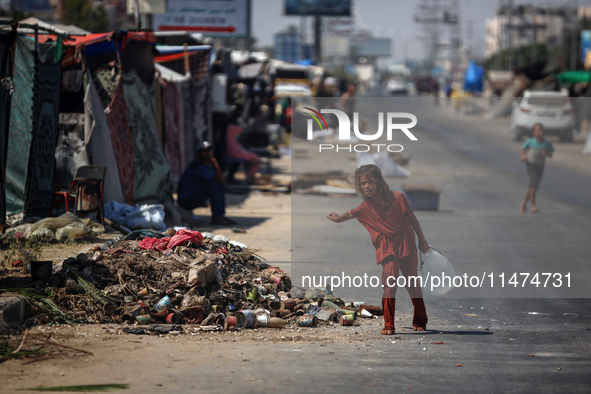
pixel 473 78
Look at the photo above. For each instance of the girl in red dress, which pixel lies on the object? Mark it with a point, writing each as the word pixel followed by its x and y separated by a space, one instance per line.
pixel 392 225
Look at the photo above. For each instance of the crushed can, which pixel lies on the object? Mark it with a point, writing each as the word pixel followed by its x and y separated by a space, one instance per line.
pixel 357 304
pixel 307 321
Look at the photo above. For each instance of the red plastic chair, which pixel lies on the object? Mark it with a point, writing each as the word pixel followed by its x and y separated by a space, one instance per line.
pixel 69 197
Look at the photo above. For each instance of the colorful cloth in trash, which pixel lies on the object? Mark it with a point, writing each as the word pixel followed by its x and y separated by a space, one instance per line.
pixel 182 236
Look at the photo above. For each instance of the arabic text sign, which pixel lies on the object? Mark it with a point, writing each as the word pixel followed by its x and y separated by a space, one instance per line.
pixel 228 18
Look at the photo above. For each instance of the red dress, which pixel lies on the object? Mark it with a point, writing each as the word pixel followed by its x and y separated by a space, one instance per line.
pixel 394 239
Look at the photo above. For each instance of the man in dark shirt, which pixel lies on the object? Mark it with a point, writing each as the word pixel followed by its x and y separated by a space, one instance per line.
pixel 203 180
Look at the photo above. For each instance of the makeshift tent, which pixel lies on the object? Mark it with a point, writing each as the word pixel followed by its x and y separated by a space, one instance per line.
pixel 130 127
pixel 33 127
pixel 195 104
pixel 6 87
pixel 173 115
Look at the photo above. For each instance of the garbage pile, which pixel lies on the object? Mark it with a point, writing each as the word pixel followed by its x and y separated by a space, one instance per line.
pixel 181 277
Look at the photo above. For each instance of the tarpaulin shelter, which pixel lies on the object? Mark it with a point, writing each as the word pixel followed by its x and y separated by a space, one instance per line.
pixel 32 133
pixel 134 124
pixel 7 39
pixel 120 110
pixel 185 102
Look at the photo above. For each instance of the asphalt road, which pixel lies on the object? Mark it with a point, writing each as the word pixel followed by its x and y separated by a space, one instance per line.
pixel 519 336
pixel 485 339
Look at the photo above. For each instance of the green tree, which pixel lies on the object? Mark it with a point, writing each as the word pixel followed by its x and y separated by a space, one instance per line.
pixel 84 14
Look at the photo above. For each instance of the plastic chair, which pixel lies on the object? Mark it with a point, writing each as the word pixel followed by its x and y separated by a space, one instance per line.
pixel 84 174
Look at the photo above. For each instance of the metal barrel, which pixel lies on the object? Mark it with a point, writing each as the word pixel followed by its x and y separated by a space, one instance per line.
pixel 250 318
pixel 307 321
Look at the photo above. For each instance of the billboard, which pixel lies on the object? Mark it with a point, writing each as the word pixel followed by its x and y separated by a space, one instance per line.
pixel 318 7
pixel 372 46
pixel 228 18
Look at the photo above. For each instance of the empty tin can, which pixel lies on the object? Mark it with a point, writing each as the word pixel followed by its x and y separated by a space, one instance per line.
pixel 230 322
pixel 164 303
pixel 365 313
pixel 346 320
pixel 307 321
pixel 375 310
pixel 249 318
pixel 143 319
pixel 174 318
pixel 288 303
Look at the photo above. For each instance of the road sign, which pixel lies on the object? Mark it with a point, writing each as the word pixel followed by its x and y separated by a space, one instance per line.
pixel 228 18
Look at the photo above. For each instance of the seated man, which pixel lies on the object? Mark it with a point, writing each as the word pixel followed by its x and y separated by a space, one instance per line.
pixel 234 150
pixel 203 180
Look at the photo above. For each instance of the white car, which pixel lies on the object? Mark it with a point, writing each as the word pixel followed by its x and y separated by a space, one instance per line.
pixel 552 109
pixel 397 86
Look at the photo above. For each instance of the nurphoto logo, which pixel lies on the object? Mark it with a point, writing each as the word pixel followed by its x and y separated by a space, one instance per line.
pixel 392 120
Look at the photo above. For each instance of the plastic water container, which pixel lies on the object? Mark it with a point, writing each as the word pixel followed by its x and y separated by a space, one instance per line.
pixel 434 265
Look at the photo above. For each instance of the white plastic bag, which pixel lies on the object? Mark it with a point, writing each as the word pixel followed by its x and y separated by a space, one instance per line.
pixel 437 273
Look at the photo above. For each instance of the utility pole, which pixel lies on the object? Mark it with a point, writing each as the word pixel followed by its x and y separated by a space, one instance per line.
pixel 432 14
pixel 318 39
pixel 573 37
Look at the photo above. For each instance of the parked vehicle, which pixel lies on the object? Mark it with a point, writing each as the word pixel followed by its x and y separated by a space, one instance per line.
pixel 552 109
pixel 397 86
